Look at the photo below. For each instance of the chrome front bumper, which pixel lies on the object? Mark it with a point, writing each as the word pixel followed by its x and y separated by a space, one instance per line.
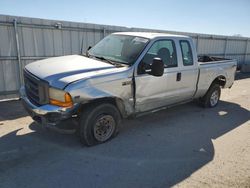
pixel 46 114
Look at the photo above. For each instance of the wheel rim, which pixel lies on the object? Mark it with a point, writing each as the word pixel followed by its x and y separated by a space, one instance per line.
pixel 214 98
pixel 104 127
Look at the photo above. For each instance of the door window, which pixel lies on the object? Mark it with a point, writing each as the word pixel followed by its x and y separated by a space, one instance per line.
pixel 164 49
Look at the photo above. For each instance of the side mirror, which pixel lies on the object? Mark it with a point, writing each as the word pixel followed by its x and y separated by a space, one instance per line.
pixel 89 48
pixel 157 67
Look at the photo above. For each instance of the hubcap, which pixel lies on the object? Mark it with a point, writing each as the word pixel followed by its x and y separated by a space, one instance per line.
pixel 104 127
pixel 214 98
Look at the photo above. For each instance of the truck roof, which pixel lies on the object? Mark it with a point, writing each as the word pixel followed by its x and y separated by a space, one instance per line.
pixel 151 35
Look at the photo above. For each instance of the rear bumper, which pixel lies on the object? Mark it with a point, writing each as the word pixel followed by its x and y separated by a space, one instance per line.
pixel 46 114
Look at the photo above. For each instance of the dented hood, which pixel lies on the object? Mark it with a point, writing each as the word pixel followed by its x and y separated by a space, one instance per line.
pixel 60 71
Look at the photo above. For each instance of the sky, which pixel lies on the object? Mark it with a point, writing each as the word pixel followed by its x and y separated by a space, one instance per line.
pixel 223 17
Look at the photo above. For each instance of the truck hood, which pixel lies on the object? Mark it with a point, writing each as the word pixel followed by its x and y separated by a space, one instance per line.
pixel 60 71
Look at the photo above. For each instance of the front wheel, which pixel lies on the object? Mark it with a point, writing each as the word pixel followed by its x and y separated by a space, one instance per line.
pixel 98 124
pixel 212 96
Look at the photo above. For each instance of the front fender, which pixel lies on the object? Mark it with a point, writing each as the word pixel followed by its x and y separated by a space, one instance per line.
pixel 115 89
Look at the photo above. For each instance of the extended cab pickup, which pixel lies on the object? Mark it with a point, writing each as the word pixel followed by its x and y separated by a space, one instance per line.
pixel 123 75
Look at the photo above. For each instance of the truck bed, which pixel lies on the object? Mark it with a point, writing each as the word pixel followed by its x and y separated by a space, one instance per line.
pixel 210 59
pixel 212 67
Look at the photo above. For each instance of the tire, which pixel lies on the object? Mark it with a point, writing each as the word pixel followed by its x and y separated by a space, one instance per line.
pixel 98 124
pixel 212 97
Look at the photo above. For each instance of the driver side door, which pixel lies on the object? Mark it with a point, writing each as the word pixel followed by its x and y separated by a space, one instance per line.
pixel 151 91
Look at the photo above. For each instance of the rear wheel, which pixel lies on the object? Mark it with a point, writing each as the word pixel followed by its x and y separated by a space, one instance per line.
pixel 212 97
pixel 98 124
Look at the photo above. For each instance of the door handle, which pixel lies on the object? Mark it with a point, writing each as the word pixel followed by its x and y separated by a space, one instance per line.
pixel 178 77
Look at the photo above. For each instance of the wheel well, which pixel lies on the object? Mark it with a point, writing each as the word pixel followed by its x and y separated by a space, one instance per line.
pixel 221 80
pixel 118 103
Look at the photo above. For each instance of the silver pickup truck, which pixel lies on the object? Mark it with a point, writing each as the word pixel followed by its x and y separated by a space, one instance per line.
pixel 124 75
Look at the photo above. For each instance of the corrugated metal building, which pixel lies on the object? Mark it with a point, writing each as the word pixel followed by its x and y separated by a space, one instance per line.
pixel 24 40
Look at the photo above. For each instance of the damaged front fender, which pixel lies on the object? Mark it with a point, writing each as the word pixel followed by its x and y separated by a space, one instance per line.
pixel 89 90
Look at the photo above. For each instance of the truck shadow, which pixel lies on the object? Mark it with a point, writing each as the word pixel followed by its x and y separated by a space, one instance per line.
pixel 157 150
pixel 242 75
pixel 10 110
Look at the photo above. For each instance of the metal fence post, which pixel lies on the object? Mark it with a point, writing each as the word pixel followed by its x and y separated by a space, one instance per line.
pixel 104 32
pixel 20 75
pixel 82 45
pixel 197 45
pixel 225 48
pixel 245 57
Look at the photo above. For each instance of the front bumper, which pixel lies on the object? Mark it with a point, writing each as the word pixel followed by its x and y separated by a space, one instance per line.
pixel 46 114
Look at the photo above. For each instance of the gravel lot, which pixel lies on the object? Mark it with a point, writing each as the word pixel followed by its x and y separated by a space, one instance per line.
pixel 185 146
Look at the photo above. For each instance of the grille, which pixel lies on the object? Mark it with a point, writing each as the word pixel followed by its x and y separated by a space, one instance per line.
pixel 36 89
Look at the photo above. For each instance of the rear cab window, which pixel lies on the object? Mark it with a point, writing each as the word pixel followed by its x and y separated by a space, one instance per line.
pixel 186 51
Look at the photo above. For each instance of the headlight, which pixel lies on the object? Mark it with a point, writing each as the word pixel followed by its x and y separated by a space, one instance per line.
pixel 60 98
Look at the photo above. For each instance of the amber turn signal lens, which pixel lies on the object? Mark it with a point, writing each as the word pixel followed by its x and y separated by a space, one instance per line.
pixel 66 103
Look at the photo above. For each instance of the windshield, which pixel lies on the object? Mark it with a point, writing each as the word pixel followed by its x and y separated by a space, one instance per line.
pixel 119 48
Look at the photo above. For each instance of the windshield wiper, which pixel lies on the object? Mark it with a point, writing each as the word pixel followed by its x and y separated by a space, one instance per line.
pixel 104 59
pixel 107 60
